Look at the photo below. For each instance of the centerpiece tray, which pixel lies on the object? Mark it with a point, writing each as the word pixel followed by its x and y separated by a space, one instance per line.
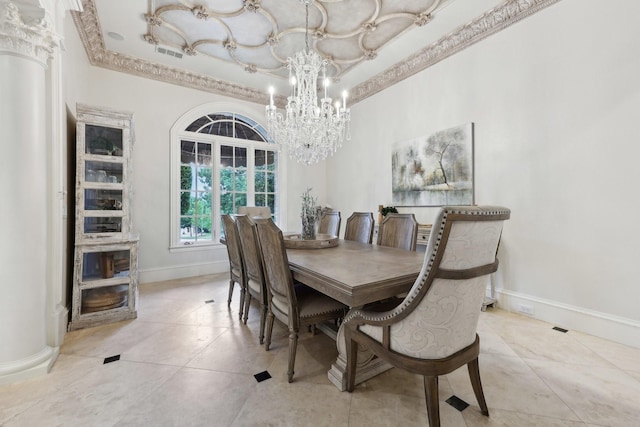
pixel 322 241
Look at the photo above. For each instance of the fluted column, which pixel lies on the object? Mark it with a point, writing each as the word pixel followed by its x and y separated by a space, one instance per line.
pixel 26 44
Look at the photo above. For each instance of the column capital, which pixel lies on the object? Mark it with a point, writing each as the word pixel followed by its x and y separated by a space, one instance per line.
pixel 26 30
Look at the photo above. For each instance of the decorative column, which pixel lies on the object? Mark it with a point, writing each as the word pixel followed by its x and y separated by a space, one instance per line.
pixel 27 42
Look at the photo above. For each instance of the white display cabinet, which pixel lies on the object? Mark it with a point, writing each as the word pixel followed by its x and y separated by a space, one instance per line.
pixel 105 283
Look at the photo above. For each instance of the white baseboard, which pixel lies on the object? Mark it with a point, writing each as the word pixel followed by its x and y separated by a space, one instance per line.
pixel 30 367
pixel 181 271
pixel 603 325
pixel 60 320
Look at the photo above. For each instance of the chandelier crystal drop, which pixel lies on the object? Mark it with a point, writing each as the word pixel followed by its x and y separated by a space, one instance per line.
pixel 307 130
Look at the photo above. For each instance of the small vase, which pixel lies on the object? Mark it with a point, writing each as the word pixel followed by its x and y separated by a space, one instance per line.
pixel 308 228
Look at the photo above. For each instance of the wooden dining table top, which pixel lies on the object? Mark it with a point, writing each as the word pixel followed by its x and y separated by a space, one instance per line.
pixel 356 273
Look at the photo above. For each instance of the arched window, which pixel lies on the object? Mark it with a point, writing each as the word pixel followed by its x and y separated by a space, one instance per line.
pixel 221 160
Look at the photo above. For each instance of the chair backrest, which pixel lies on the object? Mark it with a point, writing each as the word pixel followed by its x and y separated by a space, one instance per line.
pixel 330 223
pixel 277 275
pixel 360 227
pixel 445 301
pixel 250 250
pixel 398 231
pixel 233 243
pixel 255 211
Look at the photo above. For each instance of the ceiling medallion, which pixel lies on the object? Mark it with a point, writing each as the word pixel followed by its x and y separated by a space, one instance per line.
pixel 200 12
pixel 308 131
pixel 251 5
pixel 422 19
pixel 153 20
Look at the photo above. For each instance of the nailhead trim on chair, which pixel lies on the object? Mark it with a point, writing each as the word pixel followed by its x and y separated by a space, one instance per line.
pixel 487 210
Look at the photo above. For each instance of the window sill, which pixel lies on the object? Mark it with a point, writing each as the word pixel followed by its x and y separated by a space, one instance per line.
pixel 196 247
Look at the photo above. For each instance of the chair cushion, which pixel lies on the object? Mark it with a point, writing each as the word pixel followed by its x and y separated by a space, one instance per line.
pixel 256 287
pixel 312 303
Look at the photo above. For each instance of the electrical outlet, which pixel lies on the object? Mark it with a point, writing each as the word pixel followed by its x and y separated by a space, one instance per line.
pixel 526 309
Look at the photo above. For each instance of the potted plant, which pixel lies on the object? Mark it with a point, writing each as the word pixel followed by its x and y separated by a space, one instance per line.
pixel 309 216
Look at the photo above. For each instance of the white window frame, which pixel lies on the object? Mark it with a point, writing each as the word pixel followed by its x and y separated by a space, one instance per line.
pixel 178 134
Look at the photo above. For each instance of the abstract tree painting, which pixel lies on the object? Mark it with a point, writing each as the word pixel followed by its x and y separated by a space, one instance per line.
pixel 434 170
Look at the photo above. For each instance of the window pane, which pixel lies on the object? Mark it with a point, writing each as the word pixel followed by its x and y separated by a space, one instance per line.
pixel 260 156
pixel 241 180
pixel 196 125
pixel 226 203
pixel 186 178
pixel 223 129
pixel 204 154
pixel 204 179
pixel 260 182
pixel 226 156
pixel 187 152
pixel 187 202
pixel 260 200
pixel 241 200
pixel 271 160
pixel 241 157
pixel 245 132
pixel 271 202
pixel 271 182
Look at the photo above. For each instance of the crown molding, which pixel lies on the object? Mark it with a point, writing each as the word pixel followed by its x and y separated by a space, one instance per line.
pixel 478 29
pixel 491 22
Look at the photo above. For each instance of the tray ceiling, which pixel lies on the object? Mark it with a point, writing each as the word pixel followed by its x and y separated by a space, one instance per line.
pixel 240 47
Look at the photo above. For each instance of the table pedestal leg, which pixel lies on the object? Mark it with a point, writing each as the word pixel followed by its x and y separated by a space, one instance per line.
pixel 367 367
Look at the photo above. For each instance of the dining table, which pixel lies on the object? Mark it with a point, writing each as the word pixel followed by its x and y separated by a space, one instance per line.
pixel 356 274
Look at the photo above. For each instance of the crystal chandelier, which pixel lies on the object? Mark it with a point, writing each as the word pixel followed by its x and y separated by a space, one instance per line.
pixel 310 132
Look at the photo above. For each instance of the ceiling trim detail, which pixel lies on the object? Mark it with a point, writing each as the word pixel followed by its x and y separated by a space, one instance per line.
pixel 478 29
pixel 489 23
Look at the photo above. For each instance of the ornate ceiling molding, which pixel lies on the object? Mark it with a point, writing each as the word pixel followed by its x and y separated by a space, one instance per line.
pixel 489 23
pixel 90 32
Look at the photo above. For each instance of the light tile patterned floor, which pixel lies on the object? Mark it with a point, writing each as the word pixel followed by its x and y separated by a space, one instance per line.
pixel 185 362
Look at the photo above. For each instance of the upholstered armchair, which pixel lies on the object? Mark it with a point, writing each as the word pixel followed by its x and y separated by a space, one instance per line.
pixel 433 330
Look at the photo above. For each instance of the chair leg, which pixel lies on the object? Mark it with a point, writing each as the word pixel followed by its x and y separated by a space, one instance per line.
pixel 352 360
pixel 474 375
pixel 433 404
pixel 267 341
pixel 247 303
pixel 263 318
pixel 293 346
pixel 231 283
pixel 243 294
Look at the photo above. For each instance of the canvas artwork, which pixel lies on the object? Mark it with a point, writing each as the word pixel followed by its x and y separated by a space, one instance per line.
pixel 434 170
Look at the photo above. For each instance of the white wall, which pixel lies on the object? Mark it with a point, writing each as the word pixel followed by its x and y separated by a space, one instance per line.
pixel 554 99
pixel 156 107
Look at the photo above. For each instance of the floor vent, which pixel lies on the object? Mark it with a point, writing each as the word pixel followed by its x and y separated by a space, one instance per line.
pixel 168 52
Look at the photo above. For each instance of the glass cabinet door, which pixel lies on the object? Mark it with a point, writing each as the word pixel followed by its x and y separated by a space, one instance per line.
pixel 103 140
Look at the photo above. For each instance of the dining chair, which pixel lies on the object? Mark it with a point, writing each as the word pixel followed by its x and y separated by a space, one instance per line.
pixel 293 304
pixel 360 227
pixel 255 211
pixel 398 231
pixel 433 330
pixel 329 223
pixel 236 265
pixel 256 285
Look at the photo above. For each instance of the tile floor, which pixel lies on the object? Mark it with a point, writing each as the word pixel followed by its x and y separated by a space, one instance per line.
pixel 185 362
